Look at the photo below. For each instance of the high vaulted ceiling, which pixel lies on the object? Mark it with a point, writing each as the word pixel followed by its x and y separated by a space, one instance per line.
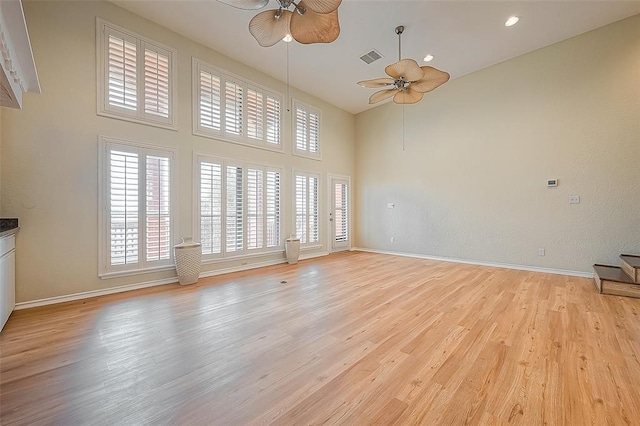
pixel 464 36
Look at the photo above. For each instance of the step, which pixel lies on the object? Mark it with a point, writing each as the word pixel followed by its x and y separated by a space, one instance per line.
pixel 631 266
pixel 613 280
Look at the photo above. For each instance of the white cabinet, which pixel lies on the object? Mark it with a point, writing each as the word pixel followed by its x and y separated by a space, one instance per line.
pixel 7 277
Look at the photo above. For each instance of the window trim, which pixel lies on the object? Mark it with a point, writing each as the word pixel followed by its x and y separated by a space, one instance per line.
pixel 316 244
pixel 245 165
pixel 104 269
pixel 139 116
pixel 198 65
pixel 294 121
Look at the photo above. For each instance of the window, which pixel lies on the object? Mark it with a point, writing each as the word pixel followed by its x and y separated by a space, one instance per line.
pixel 307 209
pixel 232 109
pixel 136 77
pixel 306 128
pixel 238 207
pixel 136 207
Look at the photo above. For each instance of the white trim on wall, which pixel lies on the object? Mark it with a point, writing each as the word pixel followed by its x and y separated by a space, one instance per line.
pixel 154 283
pixel 480 263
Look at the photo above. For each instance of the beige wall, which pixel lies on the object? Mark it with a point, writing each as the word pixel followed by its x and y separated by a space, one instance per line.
pixel 50 154
pixel 471 182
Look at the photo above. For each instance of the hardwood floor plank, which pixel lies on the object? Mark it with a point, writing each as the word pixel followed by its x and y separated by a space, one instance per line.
pixel 352 338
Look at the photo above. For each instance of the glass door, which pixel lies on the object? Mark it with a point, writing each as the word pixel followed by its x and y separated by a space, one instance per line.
pixel 340 213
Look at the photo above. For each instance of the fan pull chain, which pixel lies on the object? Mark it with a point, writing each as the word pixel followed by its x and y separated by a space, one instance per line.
pixel 403 126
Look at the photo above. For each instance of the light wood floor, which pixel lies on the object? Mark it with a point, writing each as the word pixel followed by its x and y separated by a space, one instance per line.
pixel 353 339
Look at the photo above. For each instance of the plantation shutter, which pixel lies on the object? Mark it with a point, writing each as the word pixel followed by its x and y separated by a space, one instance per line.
pixel 123 207
pixel 233 108
pixel 307 130
pixel 314 133
pixel 121 69
pixel 301 208
pixel 273 120
pixel 210 115
pixel 307 208
pixel 255 208
pixel 235 211
pixel 156 82
pixel 301 129
pixel 314 234
pixel 255 119
pixel 273 209
pixel 211 207
pixel 341 213
pixel 158 208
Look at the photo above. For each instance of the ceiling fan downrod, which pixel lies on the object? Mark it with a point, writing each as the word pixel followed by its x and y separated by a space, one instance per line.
pixel 284 4
pixel 399 31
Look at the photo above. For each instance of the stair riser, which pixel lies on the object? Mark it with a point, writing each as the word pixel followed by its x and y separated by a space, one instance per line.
pixel 620 289
pixel 631 271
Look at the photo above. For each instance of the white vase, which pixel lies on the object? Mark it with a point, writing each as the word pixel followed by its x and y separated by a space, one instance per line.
pixel 292 249
pixel 188 255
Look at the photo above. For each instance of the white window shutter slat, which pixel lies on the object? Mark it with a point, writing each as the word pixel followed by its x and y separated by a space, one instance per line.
pixel 307 130
pixel 156 83
pixel 255 208
pixel 211 207
pixel 121 70
pixel 314 133
pixel 314 234
pixel 255 114
pixel 341 204
pixel 123 205
pixel 301 130
pixel 158 208
pixel 235 209
pixel 273 209
pixel 209 105
pixel 272 120
pixel 301 208
pixel 233 108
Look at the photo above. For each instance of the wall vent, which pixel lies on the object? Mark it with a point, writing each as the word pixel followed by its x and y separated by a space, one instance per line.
pixel 370 57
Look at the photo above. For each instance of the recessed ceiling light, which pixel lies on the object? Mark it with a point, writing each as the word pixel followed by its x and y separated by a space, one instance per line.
pixel 511 21
pixel 287 38
pixel 428 58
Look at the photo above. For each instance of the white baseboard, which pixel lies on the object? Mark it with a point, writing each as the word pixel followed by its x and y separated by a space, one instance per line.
pixel 137 286
pixel 93 293
pixel 474 262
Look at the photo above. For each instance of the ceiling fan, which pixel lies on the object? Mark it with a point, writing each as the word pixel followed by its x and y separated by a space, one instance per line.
pixel 409 81
pixel 311 21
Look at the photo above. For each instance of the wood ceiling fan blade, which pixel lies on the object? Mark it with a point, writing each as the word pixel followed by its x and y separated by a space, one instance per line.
pixel 382 95
pixel 432 79
pixel 246 4
pixel 376 82
pixel 312 27
pixel 267 30
pixel 408 96
pixel 407 68
pixel 323 6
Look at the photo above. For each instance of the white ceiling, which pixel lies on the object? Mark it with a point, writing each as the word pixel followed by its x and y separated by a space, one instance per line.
pixel 464 36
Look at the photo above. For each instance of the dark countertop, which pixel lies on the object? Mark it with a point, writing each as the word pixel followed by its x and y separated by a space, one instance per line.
pixel 8 226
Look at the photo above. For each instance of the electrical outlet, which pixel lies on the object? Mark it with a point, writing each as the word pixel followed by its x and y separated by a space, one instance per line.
pixel 393 239
pixel 540 252
pixel 574 199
